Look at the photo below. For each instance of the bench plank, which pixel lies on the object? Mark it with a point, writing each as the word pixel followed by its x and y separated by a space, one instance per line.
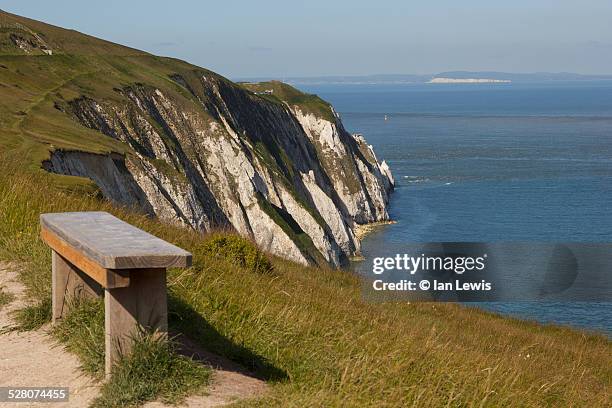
pixel 107 278
pixel 112 243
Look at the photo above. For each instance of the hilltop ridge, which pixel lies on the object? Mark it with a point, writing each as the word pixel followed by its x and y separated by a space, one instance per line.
pixel 23 36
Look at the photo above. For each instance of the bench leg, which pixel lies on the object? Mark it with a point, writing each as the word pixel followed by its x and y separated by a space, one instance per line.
pixel 142 304
pixel 68 282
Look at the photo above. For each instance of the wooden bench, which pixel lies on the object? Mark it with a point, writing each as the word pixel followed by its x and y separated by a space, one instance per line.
pixel 96 254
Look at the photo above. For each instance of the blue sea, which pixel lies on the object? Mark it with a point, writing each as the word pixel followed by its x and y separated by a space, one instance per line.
pixel 492 163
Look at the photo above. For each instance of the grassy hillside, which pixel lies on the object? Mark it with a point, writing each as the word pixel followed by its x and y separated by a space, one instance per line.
pixel 309 332
pixel 306 330
pixel 34 87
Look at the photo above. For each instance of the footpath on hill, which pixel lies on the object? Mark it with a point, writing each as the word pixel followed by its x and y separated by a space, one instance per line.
pixel 34 359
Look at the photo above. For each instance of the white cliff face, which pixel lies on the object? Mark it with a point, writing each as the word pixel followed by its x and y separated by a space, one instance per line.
pixel 386 171
pixel 170 199
pixel 340 229
pixel 293 182
pixel 352 166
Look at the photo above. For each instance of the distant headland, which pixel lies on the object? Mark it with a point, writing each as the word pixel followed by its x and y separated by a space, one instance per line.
pixel 442 77
pixel 438 80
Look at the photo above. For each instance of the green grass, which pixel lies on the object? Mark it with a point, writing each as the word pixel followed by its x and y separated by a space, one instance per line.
pixel 236 250
pixel 282 92
pixel 82 333
pixel 33 317
pixel 154 370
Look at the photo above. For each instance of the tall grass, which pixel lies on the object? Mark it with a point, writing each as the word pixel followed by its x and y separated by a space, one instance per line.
pixel 311 335
pixel 82 332
pixel 152 371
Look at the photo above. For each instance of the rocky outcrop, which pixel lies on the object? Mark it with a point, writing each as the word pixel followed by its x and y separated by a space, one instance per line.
pixel 108 172
pixel 21 39
pixel 208 153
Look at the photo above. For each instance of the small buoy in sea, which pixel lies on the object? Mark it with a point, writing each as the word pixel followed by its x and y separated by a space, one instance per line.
pixel 386 117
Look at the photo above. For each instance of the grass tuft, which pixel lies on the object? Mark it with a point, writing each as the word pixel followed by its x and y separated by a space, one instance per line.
pixel 152 371
pixel 33 317
pixel 82 333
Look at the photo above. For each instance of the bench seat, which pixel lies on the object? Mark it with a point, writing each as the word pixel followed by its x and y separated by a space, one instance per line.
pixel 112 243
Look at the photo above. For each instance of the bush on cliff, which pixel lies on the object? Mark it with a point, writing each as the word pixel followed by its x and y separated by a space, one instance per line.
pixel 236 250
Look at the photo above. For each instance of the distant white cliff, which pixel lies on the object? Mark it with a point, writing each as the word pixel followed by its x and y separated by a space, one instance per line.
pixel 467 81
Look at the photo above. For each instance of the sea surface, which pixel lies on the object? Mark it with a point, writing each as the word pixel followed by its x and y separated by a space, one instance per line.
pixel 492 163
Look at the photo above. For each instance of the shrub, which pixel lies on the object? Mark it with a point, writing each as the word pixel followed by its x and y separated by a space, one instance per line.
pixel 238 251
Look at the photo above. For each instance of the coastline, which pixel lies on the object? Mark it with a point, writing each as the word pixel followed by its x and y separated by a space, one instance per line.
pixel 363 230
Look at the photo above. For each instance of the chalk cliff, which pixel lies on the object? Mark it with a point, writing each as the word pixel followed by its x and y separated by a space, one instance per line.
pixel 264 159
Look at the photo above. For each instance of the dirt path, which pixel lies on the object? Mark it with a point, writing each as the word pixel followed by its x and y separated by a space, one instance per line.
pixel 33 359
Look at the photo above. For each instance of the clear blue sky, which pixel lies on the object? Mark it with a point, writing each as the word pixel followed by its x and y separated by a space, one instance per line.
pixel 333 37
